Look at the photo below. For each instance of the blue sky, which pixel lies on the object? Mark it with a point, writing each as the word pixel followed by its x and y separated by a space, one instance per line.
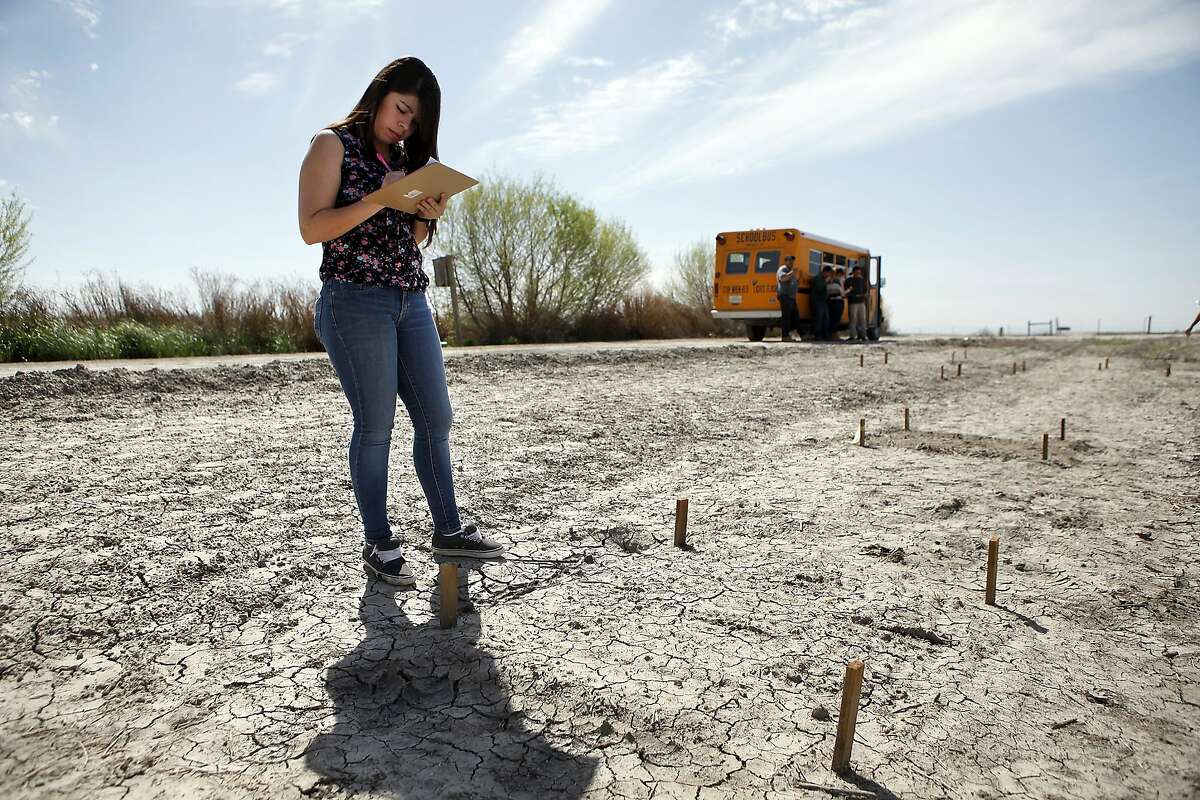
pixel 1010 160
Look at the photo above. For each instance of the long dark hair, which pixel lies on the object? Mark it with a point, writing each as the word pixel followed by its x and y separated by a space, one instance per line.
pixel 407 75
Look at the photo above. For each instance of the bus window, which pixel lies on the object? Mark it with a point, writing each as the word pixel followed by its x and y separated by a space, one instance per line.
pixel 841 261
pixel 737 263
pixel 767 261
pixel 814 262
pixel 827 258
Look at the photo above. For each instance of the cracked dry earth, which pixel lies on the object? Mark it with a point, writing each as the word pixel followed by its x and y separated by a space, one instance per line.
pixel 184 613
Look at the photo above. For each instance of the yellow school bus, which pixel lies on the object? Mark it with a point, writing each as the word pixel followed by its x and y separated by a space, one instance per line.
pixel 744 276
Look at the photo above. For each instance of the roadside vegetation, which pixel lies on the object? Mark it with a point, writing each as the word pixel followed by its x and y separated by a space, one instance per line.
pixel 534 265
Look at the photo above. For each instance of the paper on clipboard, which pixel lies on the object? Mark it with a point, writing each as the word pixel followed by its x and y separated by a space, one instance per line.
pixel 432 179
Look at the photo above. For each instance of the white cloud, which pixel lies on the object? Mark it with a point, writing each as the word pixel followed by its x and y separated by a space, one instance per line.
pixel 756 17
pixel 88 11
pixel 36 126
pixel 585 61
pixel 283 45
pixel 606 113
pixel 95 67
pixel 535 46
pixel 27 86
pixel 343 9
pixel 919 63
pixel 27 110
pixel 257 83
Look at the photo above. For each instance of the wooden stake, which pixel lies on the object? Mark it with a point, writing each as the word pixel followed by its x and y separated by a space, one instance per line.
pixel 1014 368
pixel 1106 362
pixel 952 352
pixel 989 595
pixel 1045 446
pixel 1100 366
pixel 837 791
pixel 862 432
pixel 960 369
pixel 681 506
pixel 860 359
pixel 1022 365
pixel 906 418
pixel 847 716
pixel 1168 369
pixel 448 582
pixel 1062 429
pixel 885 356
pixel 943 372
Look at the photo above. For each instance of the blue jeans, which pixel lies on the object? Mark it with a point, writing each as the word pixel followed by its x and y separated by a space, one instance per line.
pixel 820 318
pixel 836 307
pixel 383 343
pixel 787 312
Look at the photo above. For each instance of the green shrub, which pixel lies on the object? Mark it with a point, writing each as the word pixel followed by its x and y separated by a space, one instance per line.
pixel 55 342
pixel 135 340
pixel 23 340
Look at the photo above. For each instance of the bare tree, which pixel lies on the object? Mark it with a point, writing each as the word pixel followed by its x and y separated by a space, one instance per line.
pixel 14 245
pixel 692 282
pixel 691 285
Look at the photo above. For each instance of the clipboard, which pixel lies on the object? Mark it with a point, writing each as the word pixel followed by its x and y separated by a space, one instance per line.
pixel 432 179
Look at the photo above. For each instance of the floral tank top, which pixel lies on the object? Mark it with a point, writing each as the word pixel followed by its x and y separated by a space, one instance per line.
pixel 380 251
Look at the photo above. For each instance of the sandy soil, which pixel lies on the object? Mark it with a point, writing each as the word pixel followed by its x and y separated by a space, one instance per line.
pixel 184 614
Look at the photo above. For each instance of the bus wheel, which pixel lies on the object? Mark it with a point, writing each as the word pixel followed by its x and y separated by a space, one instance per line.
pixel 756 332
pixel 873 334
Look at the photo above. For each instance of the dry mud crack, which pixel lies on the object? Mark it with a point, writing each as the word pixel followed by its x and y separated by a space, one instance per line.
pixel 184 614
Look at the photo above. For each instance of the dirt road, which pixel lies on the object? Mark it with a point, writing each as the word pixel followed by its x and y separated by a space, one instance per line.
pixel 184 613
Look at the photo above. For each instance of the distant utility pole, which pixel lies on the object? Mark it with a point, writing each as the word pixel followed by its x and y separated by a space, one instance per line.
pixel 1148 325
pixel 444 275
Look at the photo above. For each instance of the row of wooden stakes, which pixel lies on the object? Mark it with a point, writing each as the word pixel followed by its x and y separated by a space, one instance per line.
pixel 1102 365
pixel 1062 433
pixel 852 682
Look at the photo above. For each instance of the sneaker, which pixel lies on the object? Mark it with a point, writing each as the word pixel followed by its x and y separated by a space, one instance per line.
pixel 467 541
pixel 384 560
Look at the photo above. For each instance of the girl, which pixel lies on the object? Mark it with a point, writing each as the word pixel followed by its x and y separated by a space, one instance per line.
pixel 372 315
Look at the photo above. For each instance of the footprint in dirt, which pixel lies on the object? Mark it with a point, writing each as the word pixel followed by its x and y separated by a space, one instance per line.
pixel 421 712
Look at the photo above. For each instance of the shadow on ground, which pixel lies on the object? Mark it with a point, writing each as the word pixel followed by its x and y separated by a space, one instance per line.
pixel 421 713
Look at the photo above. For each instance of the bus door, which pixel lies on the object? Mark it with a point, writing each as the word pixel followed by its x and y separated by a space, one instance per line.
pixel 764 284
pixel 734 278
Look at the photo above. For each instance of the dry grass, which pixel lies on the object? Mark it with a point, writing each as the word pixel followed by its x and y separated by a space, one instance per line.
pixel 110 318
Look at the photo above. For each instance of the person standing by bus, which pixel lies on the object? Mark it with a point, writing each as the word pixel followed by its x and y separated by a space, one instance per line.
pixel 856 296
pixel 786 283
pixel 818 303
pixel 372 315
pixel 836 287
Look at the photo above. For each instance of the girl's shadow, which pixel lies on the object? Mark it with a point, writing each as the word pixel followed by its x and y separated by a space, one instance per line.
pixel 421 713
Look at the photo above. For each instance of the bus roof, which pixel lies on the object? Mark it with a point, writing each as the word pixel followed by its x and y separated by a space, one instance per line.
pixel 835 242
pixel 822 239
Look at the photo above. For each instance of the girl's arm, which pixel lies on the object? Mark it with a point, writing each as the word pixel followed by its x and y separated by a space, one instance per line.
pixel 320 177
